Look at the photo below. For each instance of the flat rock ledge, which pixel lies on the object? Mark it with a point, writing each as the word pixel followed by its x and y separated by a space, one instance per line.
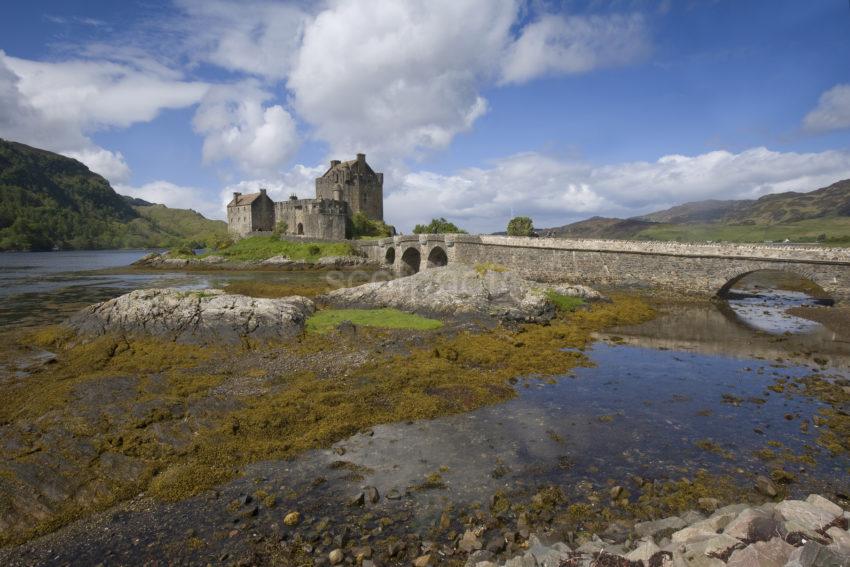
pixel 458 290
pixel 792 533
pixel 214 262
pixel 209 315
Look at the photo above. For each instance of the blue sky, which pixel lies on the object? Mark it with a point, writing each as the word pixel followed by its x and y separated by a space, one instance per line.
pixel 474 109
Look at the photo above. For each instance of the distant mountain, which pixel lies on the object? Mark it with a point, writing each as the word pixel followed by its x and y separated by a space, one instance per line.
pixel 49 201
pixel 822 215
pixel 771 209
pixel 698 211
pixel 599 227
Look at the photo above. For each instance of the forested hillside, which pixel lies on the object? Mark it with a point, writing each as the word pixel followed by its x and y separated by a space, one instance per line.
pixel 49 201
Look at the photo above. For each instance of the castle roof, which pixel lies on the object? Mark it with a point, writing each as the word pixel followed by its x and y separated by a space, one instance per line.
pixel 247 199
pixel 351 165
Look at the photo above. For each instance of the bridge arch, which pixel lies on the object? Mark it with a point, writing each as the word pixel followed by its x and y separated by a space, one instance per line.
pixel 411 260
pixel 807 282
pixel 389 257
pixel 437 257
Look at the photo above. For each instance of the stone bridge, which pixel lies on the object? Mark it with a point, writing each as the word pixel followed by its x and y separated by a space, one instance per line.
pixel 705 269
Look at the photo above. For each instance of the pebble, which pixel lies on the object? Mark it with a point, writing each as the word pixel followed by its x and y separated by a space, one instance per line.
pixel 336 556
pixel 292 518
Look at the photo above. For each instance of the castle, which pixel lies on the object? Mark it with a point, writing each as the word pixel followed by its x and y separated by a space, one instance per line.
pixel 346 188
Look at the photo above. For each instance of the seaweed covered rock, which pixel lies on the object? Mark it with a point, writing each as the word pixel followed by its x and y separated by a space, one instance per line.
pixel 195 316
pixel 461 290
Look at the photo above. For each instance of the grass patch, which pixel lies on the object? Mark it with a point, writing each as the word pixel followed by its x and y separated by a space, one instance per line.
pixel 327 320
pixel 265 247
pixel 564 302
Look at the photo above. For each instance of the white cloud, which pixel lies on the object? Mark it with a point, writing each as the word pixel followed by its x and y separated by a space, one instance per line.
pixel 556 45
pixel 56 106
pixel 237 125
pixel 391 78
pixel 175 197
pixel 832 111
pixel 260 38
pixel 109 164
pixel 556 192
pixel 99 94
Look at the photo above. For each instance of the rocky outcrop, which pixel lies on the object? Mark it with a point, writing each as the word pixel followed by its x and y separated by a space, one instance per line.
pixel 457 290
pixel 195 316
pixel 792 533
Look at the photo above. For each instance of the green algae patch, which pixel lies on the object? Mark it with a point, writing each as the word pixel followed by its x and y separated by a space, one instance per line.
pixel 485 267
pixel 328 319
pixel 274 290
pixel 564 302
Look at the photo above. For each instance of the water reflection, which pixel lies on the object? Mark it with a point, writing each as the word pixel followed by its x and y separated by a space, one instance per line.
pixel 768 311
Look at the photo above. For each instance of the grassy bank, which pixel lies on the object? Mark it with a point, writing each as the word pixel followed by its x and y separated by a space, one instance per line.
pixel 265 247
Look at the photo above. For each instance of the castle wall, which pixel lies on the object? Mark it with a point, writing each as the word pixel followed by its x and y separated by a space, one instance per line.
pixel 316 218
pixel 239 221
pixel 262 210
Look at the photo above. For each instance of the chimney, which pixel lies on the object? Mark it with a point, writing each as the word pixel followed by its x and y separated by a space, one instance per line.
pixel 334 163
pixel 262 191
pixel 236 196
pixel 361 158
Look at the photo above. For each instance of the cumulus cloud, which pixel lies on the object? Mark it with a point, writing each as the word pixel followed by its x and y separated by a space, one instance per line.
pixel 832 111
pixel 57 105
pixel 109 164
pixel 175 196
pixel 556 45
pixel 556 192
pixel 299 180
pixel 260 38
pixel 393 78
pixel 237 124
pixel 99 94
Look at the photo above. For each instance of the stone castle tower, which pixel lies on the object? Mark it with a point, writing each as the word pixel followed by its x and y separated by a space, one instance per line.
pixel 345 189
pixel 355 183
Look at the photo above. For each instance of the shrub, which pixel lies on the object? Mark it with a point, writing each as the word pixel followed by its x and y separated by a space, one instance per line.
pixel 280 228
pixel 520 226
pixel 438 226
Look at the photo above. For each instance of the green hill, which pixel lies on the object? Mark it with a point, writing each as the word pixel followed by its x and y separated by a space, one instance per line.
pixel 49 201
pixel 821 216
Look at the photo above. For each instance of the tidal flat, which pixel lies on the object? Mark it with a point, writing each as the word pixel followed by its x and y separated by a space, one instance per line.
pixel 399 441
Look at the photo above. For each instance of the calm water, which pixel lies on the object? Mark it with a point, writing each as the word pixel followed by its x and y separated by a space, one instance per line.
pixel 46 287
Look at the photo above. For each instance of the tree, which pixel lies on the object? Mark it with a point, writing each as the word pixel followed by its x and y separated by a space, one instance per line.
pixel 362 226
pixel 438 226
pixel 520 226
pixel 280 228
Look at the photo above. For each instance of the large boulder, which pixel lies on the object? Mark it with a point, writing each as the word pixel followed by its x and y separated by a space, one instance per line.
pixel 458 290
pixel 195 316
